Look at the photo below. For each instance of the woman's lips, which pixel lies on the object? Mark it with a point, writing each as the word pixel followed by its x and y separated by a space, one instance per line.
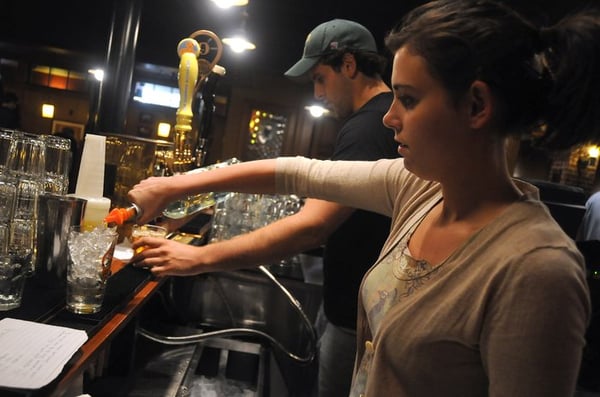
pixel 402 148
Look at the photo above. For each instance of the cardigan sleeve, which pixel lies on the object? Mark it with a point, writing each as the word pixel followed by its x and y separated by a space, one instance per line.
pixel 368 185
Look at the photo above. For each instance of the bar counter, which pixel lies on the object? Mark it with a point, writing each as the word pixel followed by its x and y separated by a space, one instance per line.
pixel 127 290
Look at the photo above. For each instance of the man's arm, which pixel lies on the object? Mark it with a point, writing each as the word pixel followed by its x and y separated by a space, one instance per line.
pixel 296 233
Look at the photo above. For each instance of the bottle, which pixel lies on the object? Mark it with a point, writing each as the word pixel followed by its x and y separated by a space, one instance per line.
pixel 192 204
pixel 119 216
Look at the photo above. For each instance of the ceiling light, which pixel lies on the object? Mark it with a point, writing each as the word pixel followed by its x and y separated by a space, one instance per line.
pixel 239 43
pixel 230 3
pixel 97 73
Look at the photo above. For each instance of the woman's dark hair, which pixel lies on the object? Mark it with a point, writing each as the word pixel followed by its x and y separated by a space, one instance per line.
pixel 544 79
pixel 368 63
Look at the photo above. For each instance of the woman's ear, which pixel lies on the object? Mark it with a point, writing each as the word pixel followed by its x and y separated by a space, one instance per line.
pixel 481 104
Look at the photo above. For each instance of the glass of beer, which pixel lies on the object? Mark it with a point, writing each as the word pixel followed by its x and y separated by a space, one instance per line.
pixel 139 231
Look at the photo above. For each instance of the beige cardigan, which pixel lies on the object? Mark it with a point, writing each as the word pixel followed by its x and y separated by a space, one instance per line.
pixel 504 316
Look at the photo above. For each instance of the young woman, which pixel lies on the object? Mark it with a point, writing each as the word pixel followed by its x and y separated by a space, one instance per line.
pixel 477 291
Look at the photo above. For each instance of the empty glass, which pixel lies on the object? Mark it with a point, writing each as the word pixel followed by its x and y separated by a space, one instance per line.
pixel 5 140
pixel 12 281
pixel 24 168
pixel 21 243
pixel 241 213
pixel 57 164
pixel 27 191
pixel 8 194
pixel 27 155
pixel 4 236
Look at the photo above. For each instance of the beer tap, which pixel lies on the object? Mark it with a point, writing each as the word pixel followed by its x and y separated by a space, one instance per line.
pixel 198 55
pixel 206 108
pixel 188 50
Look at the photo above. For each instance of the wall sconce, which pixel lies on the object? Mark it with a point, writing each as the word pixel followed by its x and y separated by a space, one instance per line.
pixel 593 152
pixel 48 111
pixel 164 129
pixel 316 110
pixel 590 160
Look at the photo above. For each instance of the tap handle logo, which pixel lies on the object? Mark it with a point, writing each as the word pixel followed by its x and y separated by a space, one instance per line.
pixel 210 53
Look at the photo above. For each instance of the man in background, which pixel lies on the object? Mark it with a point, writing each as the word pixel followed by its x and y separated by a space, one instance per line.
pixel 341 59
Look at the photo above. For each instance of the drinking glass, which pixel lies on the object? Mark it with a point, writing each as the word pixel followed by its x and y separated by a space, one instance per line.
pixel 6 136
pixel 21 243
pixel 8 195
pixel 12 281
pixel 57 164
pixel 4 236
pixel 139 231
pixel 27 192
pixel 27 155
pixel 90 258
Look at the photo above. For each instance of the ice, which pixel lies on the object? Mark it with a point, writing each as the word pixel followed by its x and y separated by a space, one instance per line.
pixel 220 386
pixel 87 250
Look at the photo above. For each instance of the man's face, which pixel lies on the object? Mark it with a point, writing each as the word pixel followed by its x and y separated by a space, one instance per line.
pixel 333 89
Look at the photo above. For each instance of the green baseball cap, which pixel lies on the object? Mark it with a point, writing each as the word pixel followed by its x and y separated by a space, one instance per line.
pixel 330 36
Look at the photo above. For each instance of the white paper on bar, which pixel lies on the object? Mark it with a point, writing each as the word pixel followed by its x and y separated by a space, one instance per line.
pixel 33 354
pixel 90 180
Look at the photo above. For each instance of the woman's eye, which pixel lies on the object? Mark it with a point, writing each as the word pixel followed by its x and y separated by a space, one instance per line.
pixel 407 101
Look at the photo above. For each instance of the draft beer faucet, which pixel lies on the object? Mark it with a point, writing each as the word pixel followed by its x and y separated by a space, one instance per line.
pixel 199 54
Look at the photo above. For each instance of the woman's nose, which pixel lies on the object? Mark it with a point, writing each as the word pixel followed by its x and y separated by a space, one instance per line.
pixel 389 120
pixel 393 117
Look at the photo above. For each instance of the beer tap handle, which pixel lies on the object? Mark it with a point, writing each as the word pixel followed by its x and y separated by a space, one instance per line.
pixel 198 55
pixel 188 50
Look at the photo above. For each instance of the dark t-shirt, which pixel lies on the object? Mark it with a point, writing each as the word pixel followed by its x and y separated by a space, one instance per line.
pixel 353 248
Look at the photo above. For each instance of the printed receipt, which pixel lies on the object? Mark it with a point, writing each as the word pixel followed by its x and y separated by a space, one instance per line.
pixel 33 354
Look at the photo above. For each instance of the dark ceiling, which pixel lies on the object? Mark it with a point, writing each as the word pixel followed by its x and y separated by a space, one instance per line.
pixel 278 27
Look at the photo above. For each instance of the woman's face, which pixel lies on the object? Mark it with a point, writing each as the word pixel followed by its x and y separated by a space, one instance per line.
pixel 432 131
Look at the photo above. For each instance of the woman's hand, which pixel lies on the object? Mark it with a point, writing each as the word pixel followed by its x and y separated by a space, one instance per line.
pixel 164 257
pixel 152 195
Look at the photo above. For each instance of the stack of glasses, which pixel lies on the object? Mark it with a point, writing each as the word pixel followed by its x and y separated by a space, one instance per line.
pixel 240 213
pixel 30 164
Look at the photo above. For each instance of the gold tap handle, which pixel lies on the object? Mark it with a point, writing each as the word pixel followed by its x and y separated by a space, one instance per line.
pixel 188 50
pixel 197 59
